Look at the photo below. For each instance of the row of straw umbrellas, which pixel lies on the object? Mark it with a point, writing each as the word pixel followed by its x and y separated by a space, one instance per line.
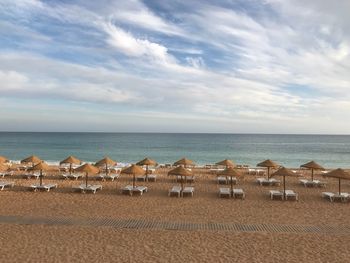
pixel 181 170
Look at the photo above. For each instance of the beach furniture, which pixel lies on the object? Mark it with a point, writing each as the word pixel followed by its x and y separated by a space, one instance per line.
pixel 238 193
pixel 275 194
pixel 31 175
pixel 188 190
pixel 139 190
pixel 46 187
pixel 175 191
pixel 10 173
pixel 290 194
pixel 83 188
pixel 130 190
pixel 225 192
pixel 104 177
pixel 6 184
pixel 314 183
pixel 268 182
pixel 73 176
pixel 127 190
pixel 226 180
pixel 328 195
pixel 189 179
pixel 150 178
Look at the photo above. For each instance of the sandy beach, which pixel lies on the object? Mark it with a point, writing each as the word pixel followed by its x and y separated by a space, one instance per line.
pixel 80 243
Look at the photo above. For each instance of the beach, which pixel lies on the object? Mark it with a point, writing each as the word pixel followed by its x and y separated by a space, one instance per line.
pixel 79 242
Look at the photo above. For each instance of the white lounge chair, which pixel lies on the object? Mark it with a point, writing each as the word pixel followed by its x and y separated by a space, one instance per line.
pixel 5 184
pixel 276 194
pixel 274 181
pixel 127 190
pixel 221 180
pixel 290 194
pixel 328 195
pixel 152 177
pixel 225 192
pixel 303 182
pixel 175 191
pixel 10 173
pixel 238 193
pixel 188 190
pixel 30 175
pixel 46 187
pixel 261 181
pixel 89 188
pixel 139 190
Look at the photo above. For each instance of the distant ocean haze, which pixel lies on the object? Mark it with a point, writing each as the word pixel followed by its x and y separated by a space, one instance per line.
pixel 331 151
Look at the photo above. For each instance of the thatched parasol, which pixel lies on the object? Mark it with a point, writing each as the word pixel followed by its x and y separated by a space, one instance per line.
pixel 312 166
pixel 134 170
pixel 42 166
pixel 268 164
pixel 231 172
pixel 32 159
pixel 87 169
pixel 147 162
pixel 185 162
pixel 106 162
pixel 227 163
pixel 3 167
pixel 71 160
pixel 284 172
pixel 340 174
pixel 3 159
pixel 180 171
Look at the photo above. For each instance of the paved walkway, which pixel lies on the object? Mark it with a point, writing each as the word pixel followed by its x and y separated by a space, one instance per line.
pixel 182 226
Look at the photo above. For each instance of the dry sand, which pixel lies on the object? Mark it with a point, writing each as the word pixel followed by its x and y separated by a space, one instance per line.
pixel 84 244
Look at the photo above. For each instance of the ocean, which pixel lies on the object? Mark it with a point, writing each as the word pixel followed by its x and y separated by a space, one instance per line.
pixel 331 151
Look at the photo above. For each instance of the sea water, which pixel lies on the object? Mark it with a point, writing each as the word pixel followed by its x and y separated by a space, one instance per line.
pixel 331 151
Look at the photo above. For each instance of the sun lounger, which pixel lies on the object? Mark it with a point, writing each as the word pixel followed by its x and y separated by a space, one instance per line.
pixel 189 179
pixel 5 184
pixel 328 195
pixel 175 191
pixel 275 194
pixel 238 193
pixel 260 181
pixel 31 175
pixel 343 197
pixel 73 176
pixel 89 188
pixel 290 194
pixel 221 180
pixel 46 187
pixel 139 190
pixel 188 190
pixel 152 177
pixel 127 190
pixel 303 182
pixel 225 192
pixel 10 173
pixel 274 181
pixel 110 176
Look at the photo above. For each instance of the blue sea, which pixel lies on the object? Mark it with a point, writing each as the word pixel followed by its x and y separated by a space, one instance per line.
pixel 331 151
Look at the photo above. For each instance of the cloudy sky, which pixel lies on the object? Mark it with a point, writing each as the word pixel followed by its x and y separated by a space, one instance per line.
pixel 230 66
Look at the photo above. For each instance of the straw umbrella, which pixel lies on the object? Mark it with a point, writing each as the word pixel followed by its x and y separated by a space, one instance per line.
pixel 42 166
pixel 3 159
pixel 3 167
pixel 182 172
pixel 32 159
pixel 284 172
pixel 231 172
pixel 147 162
pixel 268 164
pixel 87 169
pixel 185 162
pixel 227 163
pixel 340 174
pixel 71 160
pixel 106 162
pixel 134 170
pixel 312 166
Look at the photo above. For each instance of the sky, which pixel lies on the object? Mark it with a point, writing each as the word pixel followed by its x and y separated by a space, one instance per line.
pixel 226 66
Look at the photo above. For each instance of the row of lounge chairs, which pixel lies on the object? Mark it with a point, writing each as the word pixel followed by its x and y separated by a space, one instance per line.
pixel 289 195
pixel 342 197
pixel 236 193
pixel 314 183
pixel 179 192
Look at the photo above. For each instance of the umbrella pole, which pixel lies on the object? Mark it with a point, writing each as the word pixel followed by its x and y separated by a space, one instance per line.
pixel 106 169
pixel 70 169
pixel 146 173
pixel 268 173
pixel 182 184
pixel 312 174
pixel 133 181
pixel 41 177
pixel 339 186
pixel 284 187
pixel 231 186
pixel 86 179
